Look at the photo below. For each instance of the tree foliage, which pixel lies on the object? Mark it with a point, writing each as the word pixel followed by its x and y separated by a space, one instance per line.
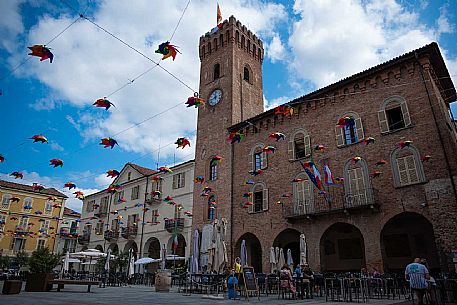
pixel 43 261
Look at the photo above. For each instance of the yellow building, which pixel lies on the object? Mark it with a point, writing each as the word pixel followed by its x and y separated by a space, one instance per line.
pixel 29 217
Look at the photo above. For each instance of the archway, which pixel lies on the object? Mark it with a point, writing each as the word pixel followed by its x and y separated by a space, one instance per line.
pixel 99 248
pixel 289 239
pixel 406 236
pixel 131 245
pixel 180 248
pixel 152 248
pixel 114 248
pixel 342 248
pixel 254 249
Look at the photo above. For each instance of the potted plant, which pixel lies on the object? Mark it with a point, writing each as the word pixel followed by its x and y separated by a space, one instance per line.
pixel 41 264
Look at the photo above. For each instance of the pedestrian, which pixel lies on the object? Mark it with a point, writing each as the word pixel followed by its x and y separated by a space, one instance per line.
pixel 417 275
pixel 432 284
pixel 231 285
pixel 237 267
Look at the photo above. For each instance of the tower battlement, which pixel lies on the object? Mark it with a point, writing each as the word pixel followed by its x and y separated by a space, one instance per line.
pixel 231 32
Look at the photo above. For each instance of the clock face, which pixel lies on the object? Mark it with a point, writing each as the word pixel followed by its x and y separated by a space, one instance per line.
pixel 215 97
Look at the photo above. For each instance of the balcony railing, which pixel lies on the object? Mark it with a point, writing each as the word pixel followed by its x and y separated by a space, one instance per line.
pixel 111 235
pixel 334 201
pixel 151 199
pixel 174 224
pixel 84 239
pixel 102 211
pixel 129 232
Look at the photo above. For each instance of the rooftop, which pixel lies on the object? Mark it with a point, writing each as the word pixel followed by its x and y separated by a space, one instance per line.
pixel 29 188
pixel 70 212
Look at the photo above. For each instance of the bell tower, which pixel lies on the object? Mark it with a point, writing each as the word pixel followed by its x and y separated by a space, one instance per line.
pixel 231 84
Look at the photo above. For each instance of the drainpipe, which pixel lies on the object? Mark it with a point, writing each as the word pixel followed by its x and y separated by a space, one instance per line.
pixel 231 202
pixel 107 222
pixel 446 158
pixel 142 222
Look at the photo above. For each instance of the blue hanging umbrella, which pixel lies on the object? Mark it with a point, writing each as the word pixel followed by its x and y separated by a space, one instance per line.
pixel 244 254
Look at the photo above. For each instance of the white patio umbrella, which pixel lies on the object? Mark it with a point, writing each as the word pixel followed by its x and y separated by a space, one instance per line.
pixel 65 265
pixel 290 260
pixel 164 257
pixel 303 250
pixel 277 258
pixel 174 257
pixel 273 261
pixel 223 259
pixel 244 254
pixel 108 257
pixel 281 260
pixel 147 260
pixel 131 270
pixel 195 253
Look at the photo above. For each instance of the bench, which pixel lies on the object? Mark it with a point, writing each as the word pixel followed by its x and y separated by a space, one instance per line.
pixel 61 282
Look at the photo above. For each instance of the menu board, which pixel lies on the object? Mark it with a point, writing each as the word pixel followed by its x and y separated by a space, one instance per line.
pixel 250 282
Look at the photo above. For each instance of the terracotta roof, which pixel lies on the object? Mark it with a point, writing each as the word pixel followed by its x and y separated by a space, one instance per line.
pixel 29 188
pixel 432 50
pixel 143 170
pixel 71 212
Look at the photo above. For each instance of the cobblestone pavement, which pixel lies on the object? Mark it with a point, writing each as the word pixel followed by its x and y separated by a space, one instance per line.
pixel 143 295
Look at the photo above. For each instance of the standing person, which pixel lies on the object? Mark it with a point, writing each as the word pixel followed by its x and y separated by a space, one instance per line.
pixel 237 267
pixel 417 275
pixel 432 284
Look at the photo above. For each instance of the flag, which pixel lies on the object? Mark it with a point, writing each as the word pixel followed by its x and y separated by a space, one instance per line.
pixel 311 177
pixel 328 176
pixel 175 243
pixel 318 177
pixel 219 17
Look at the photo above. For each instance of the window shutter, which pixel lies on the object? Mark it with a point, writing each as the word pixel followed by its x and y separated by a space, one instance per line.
pixel 265 199
pixel 307 142
pixel 383 121
pixel 291 150
pixel 183 179
pixel 359 128
pixel 308 196
pixel 402 171
pixel 251 207
pixel 406 117
pixel 264 164
pixel 339 136
pixel 175 180
pixel 252 160
pixel 412 169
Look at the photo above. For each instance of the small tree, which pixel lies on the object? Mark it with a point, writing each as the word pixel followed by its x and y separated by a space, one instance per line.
pixel 121 260
pixel 5 262
pixel 100 265
pixel 22 259
pixel 43 261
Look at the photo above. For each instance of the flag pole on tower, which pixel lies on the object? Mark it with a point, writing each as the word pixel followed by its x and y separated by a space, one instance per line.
pixel 219 16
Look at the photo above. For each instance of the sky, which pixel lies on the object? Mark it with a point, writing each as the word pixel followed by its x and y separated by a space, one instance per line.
pixel 308 44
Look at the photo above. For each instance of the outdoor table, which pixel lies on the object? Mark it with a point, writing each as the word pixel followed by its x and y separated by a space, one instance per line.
pixel 303 285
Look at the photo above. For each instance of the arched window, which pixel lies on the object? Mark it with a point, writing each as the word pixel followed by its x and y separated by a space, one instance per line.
pixel 216 71
pixel 303 195
pixel 212 207
pixel 351 132
pixel 357 186
pixel 258 159
pixel 407 166
pixel 215 44
pixel 6 201
pixel 394 114
pixel 299 145
pixel 203 51
pixel 254 51
pixel 221 40
pixel 209 47
pixel 28 203
pixel 243 42
pixel 212 171
pixel 246 75
pixel 249 46
pixel 259 198
pixel 259 51
pixel 237 37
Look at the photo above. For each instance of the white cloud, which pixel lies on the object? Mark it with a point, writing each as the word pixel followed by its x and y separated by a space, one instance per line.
pixel 74 203
pixel 44 104
pixel 56 146
pixel 103 181
pixel 273 103
pixel 275 49
pixel 444 26
pixel 10 23
pixel 334 39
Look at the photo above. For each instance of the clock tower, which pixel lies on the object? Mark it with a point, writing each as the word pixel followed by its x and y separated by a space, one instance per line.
pixel 231 84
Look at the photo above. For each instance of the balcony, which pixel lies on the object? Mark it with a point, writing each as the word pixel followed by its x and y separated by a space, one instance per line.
pixel 335 201
pixel 67 232
pixel 174 224
pixel 102 211
pixel 84 239
pixel 111 235
pixel 151 199
pixel 129 232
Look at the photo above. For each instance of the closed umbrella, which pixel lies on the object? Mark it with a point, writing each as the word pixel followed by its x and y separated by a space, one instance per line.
pixel 244 254
pixel 212 251
pixel 273 261
pixel 195 253
pixel 66 263
pixel 221 247
pixel 131 264
pixel 277 258
pixel 290 260
pixel 108 256
pixel 164 257
pixel 281 260
pixel 303 250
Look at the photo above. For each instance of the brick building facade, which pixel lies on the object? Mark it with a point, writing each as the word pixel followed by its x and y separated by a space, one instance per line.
pixel 368 219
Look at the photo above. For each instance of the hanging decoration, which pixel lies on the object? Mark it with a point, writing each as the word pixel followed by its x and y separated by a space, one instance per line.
pixel 164 170
pixel 103 103
pixel 369 140
pixel 195 101
pixel 319 148
pixel 329 180
pixel 2 159
pixel 108 142
pixel 356 159
pixel 403 144
pixel 41 51
pixel 188 214
pixel 156 178
pixel 199 179
pixel 278 136
pixel 269 149
pixel 79 195
pixel 206 191
pixel 114 188
pixel 70 185
pixel 236 137
pixel 284 110
pixel 14 199
pixel 216 160
pixel 256 172
pixel 375 174
pixel 249 182
pixel 182 142
pixel 112 173
pixel 296 180
pixel 167 50
pixel 381 162
pixel 52 198
pixel 345 122
pixel 17 175
pixel 56 162
pixel 425 158
pixel 39 138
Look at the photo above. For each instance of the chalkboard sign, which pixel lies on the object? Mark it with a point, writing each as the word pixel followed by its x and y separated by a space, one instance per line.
pixel 250 282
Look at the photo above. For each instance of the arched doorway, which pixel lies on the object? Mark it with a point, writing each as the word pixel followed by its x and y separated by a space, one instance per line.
pixel 289 239
pixel 405 237
pixel 132 245
pixel 99 248
pixel 342 248
pixel 180 248
pixel 254 249
pixel 152 248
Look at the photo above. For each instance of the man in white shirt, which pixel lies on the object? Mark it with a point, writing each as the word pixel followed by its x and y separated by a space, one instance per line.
pixel 417 275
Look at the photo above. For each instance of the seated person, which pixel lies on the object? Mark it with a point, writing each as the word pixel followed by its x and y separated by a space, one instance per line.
pixel 285 276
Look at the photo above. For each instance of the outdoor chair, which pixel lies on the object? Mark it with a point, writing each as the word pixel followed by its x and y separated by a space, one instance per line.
pixel 319 284
pixel 333 289
pixel 285 284
pixel 272 284
pixel 261 282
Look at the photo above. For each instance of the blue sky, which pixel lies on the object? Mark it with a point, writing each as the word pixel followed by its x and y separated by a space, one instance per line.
pixel 308 44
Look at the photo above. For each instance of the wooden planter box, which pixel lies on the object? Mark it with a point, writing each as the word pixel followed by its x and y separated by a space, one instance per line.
pixel 38 282
pixel 12 287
